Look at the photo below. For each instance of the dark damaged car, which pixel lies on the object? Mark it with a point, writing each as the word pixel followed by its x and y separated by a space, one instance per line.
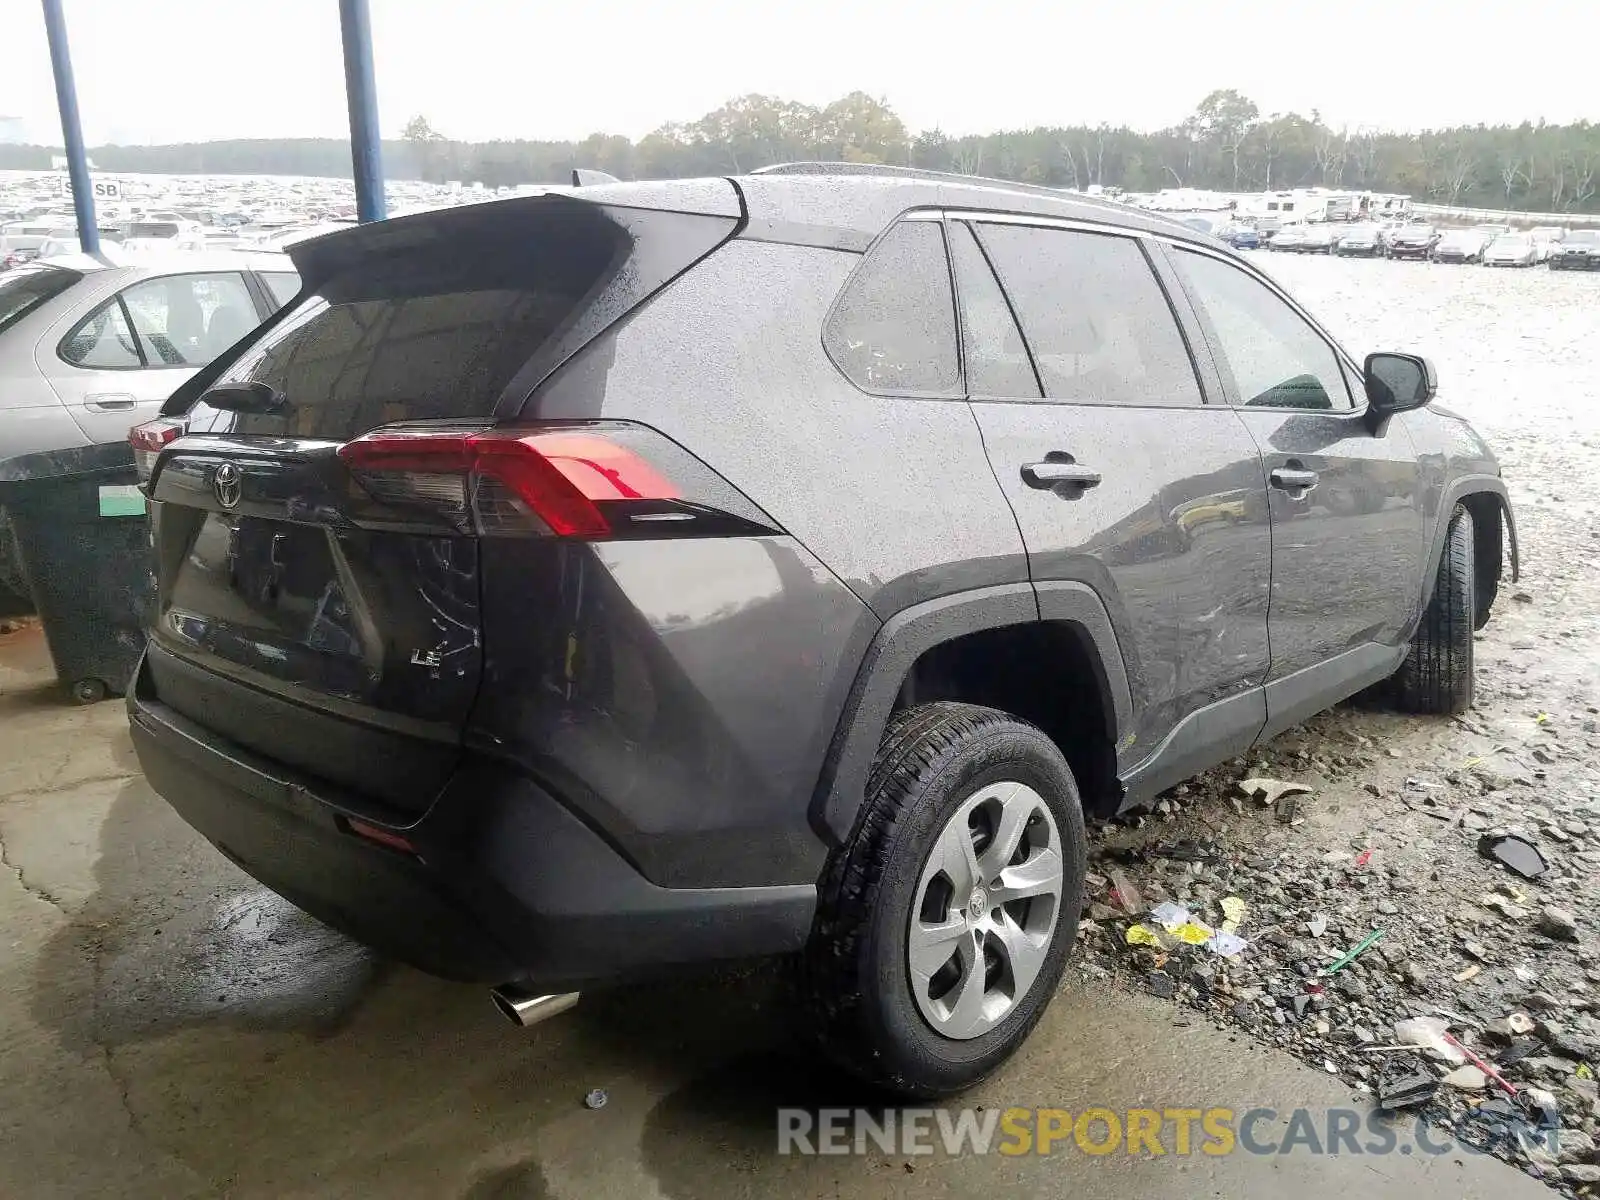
pixel 568 588
pixel 1579 250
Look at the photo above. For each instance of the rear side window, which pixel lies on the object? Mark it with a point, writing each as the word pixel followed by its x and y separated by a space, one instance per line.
pixel 24 289
pixel 435 319
pixel 997 360
pixel 103 341
pixel 1097 321
pixel 893 329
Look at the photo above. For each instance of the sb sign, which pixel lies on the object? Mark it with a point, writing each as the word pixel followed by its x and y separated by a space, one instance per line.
pixel 101 189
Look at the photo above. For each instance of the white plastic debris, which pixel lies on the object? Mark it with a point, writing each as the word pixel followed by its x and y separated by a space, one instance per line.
pixel 1428 1035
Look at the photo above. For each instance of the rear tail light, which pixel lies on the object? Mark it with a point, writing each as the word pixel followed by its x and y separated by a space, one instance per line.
pixel 594 481
pixel 149 439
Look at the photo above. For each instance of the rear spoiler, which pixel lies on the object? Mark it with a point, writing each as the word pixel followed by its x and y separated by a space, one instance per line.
pixel 317 259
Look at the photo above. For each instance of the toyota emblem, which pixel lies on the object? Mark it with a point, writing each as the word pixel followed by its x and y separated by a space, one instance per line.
pixel 229 485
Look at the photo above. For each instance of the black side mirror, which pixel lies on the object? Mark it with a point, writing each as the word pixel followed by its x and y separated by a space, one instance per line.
pixel 1398 383
pixel 253 397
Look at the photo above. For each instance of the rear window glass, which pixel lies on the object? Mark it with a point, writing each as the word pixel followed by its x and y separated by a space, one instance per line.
pixel 893 328
pixel 22 290
pixel 438 325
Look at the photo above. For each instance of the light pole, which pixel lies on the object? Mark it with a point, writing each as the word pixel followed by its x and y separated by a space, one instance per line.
pixel 55 28
pixel 366 143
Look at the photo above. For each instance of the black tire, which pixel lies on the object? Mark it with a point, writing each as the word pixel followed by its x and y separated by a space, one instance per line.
pixel 1437 675
pixel 854 975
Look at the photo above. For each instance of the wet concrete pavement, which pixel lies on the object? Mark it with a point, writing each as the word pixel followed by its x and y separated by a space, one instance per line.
pixel 168 1029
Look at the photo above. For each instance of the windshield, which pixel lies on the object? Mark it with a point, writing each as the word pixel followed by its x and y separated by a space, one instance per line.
pixel 24 289
pixel 1588 237
pixel 152 229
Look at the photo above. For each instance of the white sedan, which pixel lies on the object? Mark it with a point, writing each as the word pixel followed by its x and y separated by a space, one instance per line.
pixel 88 349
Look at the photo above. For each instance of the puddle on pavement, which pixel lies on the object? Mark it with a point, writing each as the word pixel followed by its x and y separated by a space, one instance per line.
pixel 176 937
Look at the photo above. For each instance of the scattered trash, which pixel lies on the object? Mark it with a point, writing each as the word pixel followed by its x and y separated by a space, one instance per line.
pixel 1233 910
pixel 1361 860
pixel 1286 808
pixel 1225 944
pixel 1317 926
pixel 1405 1091
pixel 1356 951
pixel 1516 854
pixel 1470 972
pixel 1143 935
pixel 595 1099
pixel 1124 895
pixel 1172 916
pixel 1468 1078
pixel 1266 792
pixel 1431 1035
pixel 1451 1040
pixel 1542 1106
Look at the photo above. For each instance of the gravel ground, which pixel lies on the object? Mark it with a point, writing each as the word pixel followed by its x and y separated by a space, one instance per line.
pixel 1387 835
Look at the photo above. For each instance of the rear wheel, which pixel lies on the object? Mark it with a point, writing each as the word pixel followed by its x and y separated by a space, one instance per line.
pixel 944 922
pixel 1437 675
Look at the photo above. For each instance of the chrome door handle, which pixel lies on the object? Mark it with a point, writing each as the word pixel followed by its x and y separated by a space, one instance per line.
pixel 1292 480
pixel 108 402
pixel 1049 474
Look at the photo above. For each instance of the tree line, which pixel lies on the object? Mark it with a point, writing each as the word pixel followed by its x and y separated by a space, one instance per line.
pixel 1227 144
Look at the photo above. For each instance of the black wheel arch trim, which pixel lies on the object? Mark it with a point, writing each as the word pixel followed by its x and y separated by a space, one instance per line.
pixel 913 631
pixel 1457 490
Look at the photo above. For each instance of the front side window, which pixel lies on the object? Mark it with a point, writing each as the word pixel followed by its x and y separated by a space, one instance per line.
pixel 1276 358
pixel 893 328
pixel 187 320
pixel 1094 316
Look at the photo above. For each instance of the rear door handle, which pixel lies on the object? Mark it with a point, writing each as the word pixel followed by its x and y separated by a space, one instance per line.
pixel 1292 479
pixel 1049 474
pixel 108 402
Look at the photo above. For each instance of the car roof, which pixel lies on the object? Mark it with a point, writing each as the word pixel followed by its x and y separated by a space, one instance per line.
pixel 113 257
pixel 835 205
pixel 856 201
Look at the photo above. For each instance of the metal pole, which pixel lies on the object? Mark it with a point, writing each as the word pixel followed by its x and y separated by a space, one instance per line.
pixel 55 27
pixel 366 145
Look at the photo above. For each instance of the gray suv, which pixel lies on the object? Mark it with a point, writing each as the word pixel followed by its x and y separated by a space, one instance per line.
pixel 565 588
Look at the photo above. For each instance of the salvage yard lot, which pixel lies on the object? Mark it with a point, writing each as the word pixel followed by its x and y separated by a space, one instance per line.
pixel 169 1029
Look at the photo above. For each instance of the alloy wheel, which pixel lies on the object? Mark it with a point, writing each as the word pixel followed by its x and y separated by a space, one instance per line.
pixel 987 906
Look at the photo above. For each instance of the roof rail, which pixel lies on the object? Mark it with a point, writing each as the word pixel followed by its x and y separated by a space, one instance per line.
pixel 884 169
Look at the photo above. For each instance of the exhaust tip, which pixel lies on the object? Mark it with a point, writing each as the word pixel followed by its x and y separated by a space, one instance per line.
pixel 525 1008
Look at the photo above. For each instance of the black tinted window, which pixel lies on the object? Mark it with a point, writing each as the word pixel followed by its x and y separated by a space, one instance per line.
pixel 1098 324
pixel 997 359
pixel 1276 359
pixel 893 329
pixel 434 319
pixel 22 290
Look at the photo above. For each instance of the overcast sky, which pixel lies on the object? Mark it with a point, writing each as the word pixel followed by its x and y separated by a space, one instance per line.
pixel 188 70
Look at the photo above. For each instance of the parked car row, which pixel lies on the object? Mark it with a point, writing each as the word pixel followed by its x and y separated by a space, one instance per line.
pixel 1489 245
